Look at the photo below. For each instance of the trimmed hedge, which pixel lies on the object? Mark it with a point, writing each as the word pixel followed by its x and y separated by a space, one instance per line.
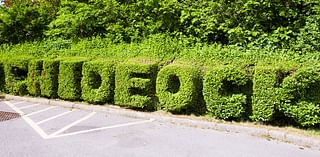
pixel 49 82
pixel 135 85
pixel 2 78
pixel 225 92
pixel 300 96
pixel 179 88
pixel 70 74
pixel 16 73
pixel 278 94
pixel 34 77
pixel 98 81
pixel 264 99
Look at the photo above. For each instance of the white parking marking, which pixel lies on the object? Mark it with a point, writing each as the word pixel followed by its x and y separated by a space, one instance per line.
pixel 103 128
pixel 37 112
pixel 20 102
pixel 72 124
pixel 53 117
pixel 57 134
pixel 29 106
pixel 29 121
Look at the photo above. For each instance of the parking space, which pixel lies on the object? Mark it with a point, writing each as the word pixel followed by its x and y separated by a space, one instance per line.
pixel 44 130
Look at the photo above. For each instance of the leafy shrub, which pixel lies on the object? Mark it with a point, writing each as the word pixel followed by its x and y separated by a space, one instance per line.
pixel 135 85
pixel 179 88
pixel 16 72
pixel 70 74
pixel 98 81
pixel 34 77
pixel 300 96
pixel 49 78
pixel 265 99
pixel 226 92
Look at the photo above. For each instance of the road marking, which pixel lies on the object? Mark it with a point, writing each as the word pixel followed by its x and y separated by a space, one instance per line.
pixel 102 128
pixel 72 124
pixel 29 106
pixel 53 117
pixel 18 103
pixel 28 120
pixel 36 112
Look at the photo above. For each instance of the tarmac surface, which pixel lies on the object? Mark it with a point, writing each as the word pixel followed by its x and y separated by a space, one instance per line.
pixel 56 131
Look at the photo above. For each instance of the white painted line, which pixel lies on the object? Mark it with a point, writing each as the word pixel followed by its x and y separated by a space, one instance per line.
pixel 28 120
pixel 20 102
pixel 72 124
pixel 36 112
pixel 53 117
pixel 102 128
pixel 29 106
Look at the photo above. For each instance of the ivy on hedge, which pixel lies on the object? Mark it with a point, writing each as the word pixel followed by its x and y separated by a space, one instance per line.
pixel 225 92
pixel 70 74
pixel 300 97
pixel 98 81
pixel 16 73
pixel 135 85
pixel 179 88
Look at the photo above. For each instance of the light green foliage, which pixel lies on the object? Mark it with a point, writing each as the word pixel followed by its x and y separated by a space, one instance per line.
pixel 226 91
pixel 49 78
pixel 16 72
pixel 179 88
pixel 264 100
pixel 135 85
pixel 300 96
pixel 70 74
pixel 34 77
pixel 98 81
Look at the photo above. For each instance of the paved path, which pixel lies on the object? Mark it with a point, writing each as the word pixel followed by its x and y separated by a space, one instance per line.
pixel 54 131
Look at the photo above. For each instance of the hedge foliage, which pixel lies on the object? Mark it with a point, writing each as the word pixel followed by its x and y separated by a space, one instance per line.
pixel 49 78
pixel 98 81
pixel 178 88
pixel 226 92
pixel 265 100
pixel 300 96
pixel 262 93
pixel 16 73
pixel 70 74
pixel 135 85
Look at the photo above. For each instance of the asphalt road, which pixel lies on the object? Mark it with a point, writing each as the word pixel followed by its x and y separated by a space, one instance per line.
pixel 53 131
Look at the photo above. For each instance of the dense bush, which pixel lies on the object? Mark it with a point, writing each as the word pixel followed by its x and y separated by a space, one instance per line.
pixel 16 73
pixel 226 92
pixel 34 77
pixel 49 78
pixel 300 96
pixel 135 85
pixel 98 81
pixel 70 74
pixel 178 88
pixel 25 21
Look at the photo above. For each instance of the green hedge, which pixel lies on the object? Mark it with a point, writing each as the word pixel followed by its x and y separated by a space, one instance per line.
pixel 2 78
pixel 70 74
pixel 49 81
pixel 135 85
pixel 98 81
pixel 179 88
pixel 34 77
pixel 300 96
pixel 225 92
pixel 16 73
pixel 264 100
